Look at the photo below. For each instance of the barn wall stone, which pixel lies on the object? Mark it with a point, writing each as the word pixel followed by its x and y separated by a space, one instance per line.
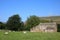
pixel 45 27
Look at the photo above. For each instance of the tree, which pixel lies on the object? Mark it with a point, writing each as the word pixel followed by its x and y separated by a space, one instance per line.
pixel 32 21
pixel 2 25
pixel 22 27
pixel 14 23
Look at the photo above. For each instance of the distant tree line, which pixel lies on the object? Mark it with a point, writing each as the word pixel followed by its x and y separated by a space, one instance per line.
pixel 15 23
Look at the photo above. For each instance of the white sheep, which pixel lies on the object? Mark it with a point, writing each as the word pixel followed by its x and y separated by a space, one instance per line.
pixel 9 31
pixel 6 33
pixel 24 32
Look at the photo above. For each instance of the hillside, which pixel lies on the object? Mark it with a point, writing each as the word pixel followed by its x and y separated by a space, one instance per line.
pixel 53 18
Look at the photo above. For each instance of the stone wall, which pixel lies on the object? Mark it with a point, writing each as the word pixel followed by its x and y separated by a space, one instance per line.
pixel 45 27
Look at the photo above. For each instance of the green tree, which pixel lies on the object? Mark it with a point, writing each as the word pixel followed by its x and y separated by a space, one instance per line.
pixel 2 25
pixel 22 27
pixel 14 23
pixel 32 21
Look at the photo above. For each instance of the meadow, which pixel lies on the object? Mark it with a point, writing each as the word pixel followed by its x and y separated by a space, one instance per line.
pixel 29 36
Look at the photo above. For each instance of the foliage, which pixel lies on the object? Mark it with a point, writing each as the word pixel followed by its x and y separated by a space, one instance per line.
pixel 2 25
pixel 58 27
pixel 32 21
pixel 22 27
pixel 14 22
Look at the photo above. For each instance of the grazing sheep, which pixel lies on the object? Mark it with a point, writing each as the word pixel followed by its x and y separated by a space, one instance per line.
pixel 9 31
pixel 6 33
pixel 24 32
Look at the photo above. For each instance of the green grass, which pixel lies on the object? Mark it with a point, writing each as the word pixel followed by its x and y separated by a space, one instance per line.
pixel 29 36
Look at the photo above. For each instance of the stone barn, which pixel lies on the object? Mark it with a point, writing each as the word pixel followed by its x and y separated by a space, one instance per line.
pixel 45 27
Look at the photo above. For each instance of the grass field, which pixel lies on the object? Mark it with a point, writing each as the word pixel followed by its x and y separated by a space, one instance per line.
pixel 29 36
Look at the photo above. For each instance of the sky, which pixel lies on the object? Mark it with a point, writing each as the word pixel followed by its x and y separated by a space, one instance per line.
pixel 26 8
